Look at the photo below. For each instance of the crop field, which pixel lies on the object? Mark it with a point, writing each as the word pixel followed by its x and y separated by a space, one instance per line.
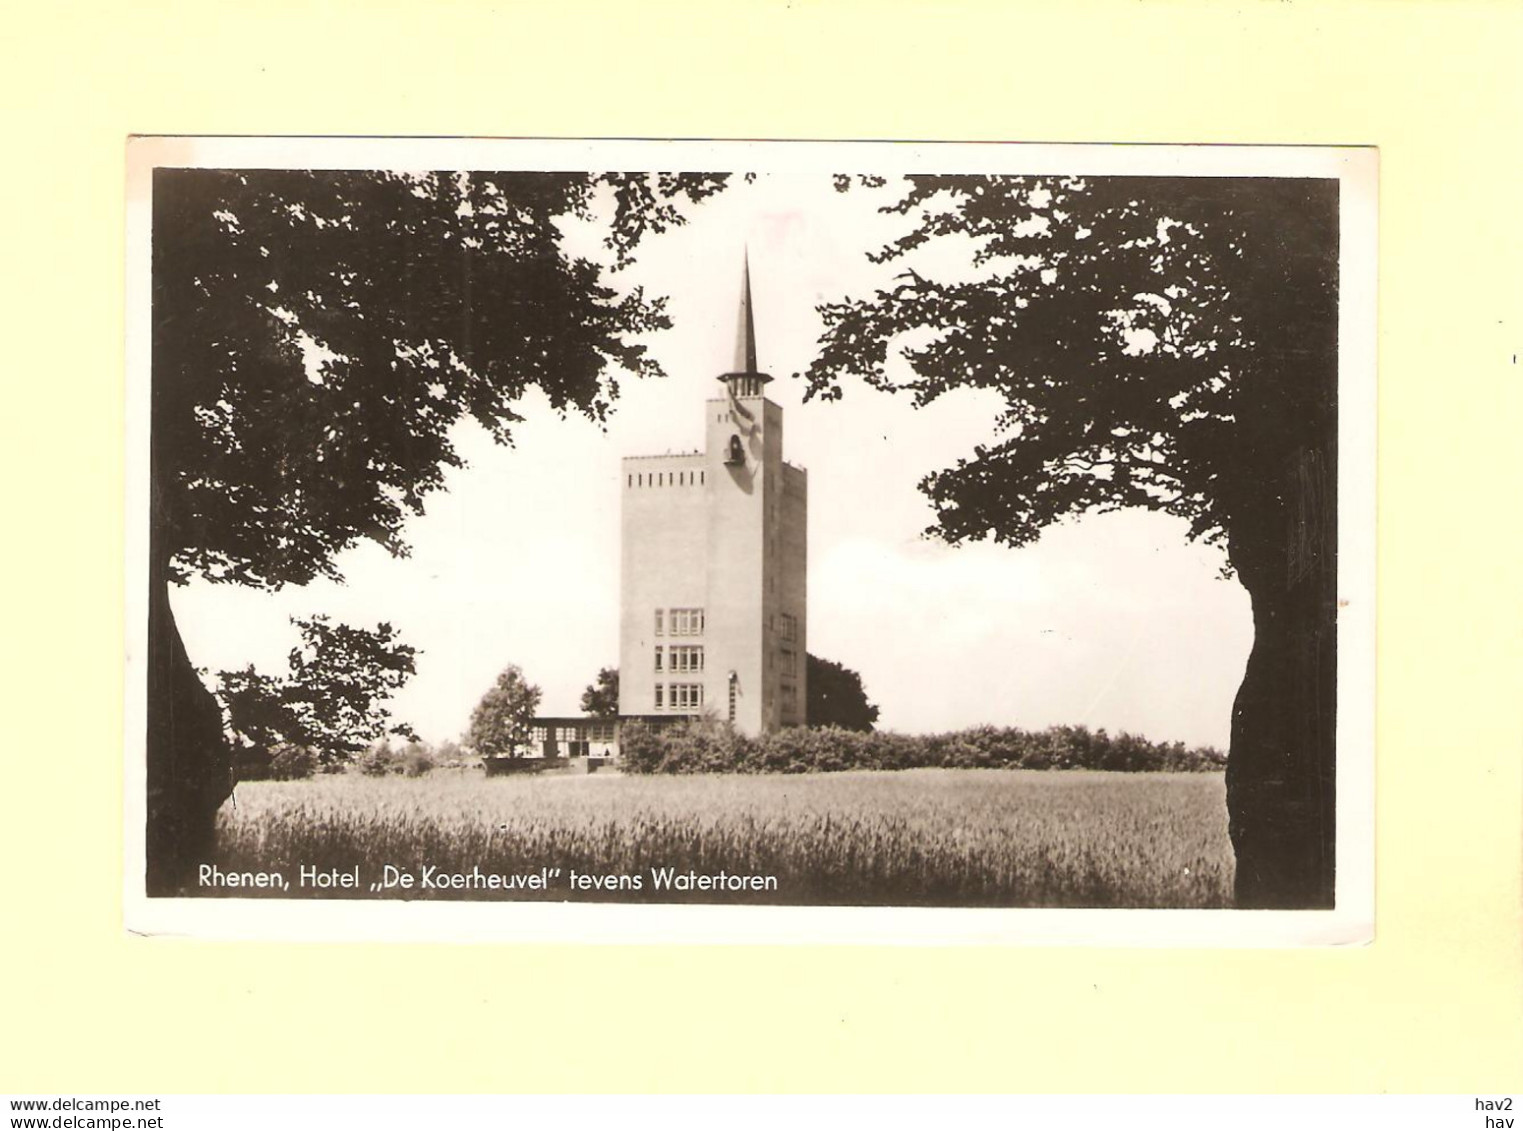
pixel 964 838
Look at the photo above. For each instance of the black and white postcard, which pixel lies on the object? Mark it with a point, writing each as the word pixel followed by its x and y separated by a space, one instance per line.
pixel 751 542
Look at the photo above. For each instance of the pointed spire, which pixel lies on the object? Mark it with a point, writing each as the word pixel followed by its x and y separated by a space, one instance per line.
pixel 745 337
pixel 745 380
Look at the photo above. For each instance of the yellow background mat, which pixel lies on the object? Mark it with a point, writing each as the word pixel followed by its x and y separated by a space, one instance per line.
pixel 1433 1004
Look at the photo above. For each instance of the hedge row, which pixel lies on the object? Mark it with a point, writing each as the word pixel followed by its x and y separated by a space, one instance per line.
pixel 289 762
pixel 710 747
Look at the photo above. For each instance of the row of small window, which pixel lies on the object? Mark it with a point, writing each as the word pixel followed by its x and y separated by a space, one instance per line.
pixel 680 658
pixel 681 622
pixel 584 732
pixel 665 479
pixel 679 696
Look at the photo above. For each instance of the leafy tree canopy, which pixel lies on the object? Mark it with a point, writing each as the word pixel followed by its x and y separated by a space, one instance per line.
pixel 601 698
pixel 500 723
pixel 335 700
pixel 836 697
pixel 317 334
pixel 1154 342
pixel 1160 343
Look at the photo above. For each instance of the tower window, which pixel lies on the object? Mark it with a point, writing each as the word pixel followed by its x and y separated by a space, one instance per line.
pixel 685 658
pixel 660 615
pixel 790 626
pixel 659 689
pixel 658 657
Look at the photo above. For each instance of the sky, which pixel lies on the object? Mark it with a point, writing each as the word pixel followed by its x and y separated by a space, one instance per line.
pixel 1113 621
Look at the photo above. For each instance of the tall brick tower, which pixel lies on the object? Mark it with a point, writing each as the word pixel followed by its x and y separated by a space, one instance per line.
pixel 713 616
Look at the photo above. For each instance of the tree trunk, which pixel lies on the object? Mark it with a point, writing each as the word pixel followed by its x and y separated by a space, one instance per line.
pixel 189 766
pixel 1281 767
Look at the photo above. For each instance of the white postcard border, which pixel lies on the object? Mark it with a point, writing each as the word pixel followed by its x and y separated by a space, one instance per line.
pixel 1352 922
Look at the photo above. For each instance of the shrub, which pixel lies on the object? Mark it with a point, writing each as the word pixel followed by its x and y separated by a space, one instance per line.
pixel 708 746
pixel 251 763
pixel 380 760
pixel 290 762
pixel 417 759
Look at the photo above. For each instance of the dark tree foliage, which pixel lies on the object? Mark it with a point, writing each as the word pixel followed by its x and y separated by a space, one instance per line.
pixel 335 700
pixel 432 298
pixel 601 698
pixel 1162 343
pixel 258 717
pixel 707 746
pixel 500 723
pixel 836 696
pixel 315 337
pixel 342 679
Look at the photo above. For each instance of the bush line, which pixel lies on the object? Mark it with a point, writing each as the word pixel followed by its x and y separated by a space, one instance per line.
pixel 705 746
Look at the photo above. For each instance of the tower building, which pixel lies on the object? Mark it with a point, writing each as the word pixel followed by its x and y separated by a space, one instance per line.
pixel 714 548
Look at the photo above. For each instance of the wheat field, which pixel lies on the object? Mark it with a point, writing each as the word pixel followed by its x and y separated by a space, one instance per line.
pixel 984 838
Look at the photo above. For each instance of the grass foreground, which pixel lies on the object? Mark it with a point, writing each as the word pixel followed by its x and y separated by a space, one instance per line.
pixel 952 838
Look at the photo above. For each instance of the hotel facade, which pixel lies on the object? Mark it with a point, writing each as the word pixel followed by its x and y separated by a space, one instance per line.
pixel 713 570
pixel 714 555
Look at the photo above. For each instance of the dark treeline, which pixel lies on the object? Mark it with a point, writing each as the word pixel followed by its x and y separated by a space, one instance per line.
pixel 711 747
